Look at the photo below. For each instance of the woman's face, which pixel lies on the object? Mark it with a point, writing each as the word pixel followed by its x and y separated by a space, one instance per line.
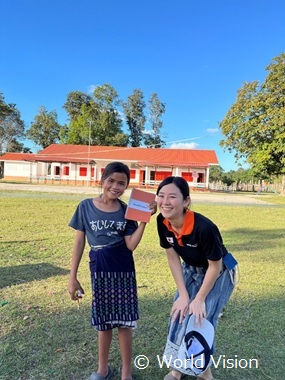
pixel 115 185
pixel 170 201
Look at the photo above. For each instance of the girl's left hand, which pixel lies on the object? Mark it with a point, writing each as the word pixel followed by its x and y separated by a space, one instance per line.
pixel 198 308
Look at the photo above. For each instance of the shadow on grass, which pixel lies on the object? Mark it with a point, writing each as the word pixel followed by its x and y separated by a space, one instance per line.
pixel 253 239
pixel 61 345
pixel 19 274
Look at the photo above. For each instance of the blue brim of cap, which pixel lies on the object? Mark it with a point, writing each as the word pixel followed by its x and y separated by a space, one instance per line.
pixel 206 329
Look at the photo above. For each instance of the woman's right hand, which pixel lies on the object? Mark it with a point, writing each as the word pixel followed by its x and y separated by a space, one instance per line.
pixel 73 287
pixel 180 308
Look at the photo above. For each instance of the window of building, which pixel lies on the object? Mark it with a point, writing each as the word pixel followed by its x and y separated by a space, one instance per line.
pixel 66 170
pixel 56 170
pixel 160 175
pixel 201 178
pixel 187 176
pixel 83 171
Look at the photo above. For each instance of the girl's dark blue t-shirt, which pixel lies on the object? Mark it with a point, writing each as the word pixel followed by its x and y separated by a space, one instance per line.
pixel 102 228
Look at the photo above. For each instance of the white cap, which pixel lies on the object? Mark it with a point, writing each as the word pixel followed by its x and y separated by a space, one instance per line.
pixel 197 346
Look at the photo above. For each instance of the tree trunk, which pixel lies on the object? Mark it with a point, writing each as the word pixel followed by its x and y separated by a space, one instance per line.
pixel 283 185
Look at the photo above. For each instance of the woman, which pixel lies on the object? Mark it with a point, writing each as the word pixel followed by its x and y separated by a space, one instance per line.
pixel 204 284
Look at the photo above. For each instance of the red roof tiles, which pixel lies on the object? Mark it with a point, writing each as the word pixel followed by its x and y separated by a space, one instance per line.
pixel 141 156
pixel 11 156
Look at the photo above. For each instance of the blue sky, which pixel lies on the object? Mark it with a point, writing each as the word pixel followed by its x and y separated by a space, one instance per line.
pixel 194 54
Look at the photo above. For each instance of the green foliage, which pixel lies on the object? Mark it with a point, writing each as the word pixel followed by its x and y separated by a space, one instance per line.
pixel 135 117
pixel 45 128
pixel 109 123
pixel 95 120
pixel 243 175
pixel 216 173
pixel 156 110
pixel 227 179
pixel 81 128
pixel 11 125
pixel 240 176
pixel 254 126
pixel 74 101
pixel 15 146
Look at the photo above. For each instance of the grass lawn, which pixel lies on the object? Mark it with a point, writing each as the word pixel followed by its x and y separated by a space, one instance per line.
pixel 45 336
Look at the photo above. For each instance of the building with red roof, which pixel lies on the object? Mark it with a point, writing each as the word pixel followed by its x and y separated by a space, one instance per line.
pixel 83 164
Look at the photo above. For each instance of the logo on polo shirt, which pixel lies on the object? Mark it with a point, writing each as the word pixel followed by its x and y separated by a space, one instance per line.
pixel 192 245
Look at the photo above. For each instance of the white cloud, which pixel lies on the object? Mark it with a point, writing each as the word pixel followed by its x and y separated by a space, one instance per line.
pixel 148 132
pixel 91 88
pixel 191 145
pixel 212 130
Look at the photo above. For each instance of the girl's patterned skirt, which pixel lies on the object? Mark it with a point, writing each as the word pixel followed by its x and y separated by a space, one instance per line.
pixel 114 288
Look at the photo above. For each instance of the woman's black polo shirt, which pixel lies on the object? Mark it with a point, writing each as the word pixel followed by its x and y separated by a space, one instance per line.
pixel 202 244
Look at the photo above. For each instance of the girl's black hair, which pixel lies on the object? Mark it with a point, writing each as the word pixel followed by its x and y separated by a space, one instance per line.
pixel 179 182
pixel 116 167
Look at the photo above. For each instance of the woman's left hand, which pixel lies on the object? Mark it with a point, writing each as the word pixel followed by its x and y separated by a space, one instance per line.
pixel 198 308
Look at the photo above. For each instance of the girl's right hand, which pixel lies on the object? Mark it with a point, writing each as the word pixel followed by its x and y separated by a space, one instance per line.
pixel 73 287
pixel 153 207
pixel 180 308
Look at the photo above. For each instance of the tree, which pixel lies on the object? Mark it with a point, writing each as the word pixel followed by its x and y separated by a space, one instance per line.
pixel 215 173
pixel 73 106
pixel 11 125
pixel 243 175
pixel 135 118
pixel 156 110
pixel 98 122
pixel 228 178
pixel 44 129
pixel 109 122
pixel 81 129
pixel 14 146
pixel 254 126
pixel 74 102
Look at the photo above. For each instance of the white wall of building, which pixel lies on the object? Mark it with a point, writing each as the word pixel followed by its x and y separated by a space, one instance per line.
pixel 92 172
pixel 18 169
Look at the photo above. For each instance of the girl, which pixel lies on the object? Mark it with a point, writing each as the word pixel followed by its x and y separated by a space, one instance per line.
pixel 112 239
pixel 204 284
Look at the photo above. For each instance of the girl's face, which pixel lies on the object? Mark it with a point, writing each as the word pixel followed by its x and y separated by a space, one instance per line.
pixel 170 202
pixel 115 185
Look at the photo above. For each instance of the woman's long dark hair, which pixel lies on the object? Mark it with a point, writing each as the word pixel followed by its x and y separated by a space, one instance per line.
pixel 180 182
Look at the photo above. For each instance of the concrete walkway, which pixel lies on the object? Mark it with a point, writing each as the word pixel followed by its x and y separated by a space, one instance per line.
pixel 218 198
